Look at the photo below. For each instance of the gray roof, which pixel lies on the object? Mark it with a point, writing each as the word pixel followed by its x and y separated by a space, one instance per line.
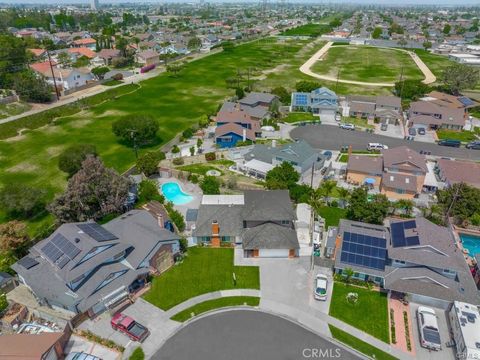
pixel 256 97
pixel 191 215
pixel 228 217
pixel 263 205
pixel 4 277
pixel 372 165
pixel 258 112
pixel 270 236
pixel 399 181
pixel 404 158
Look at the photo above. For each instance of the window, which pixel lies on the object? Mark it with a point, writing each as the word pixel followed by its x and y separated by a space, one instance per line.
pixel 109 279
pixel 285 222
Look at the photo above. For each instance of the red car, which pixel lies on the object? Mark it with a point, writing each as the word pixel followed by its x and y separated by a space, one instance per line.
pixel 131 328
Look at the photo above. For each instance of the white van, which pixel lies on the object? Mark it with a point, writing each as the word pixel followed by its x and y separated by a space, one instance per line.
pixel 376 146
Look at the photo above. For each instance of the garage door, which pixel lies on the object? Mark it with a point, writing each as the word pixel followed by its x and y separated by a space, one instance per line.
pixel 273 253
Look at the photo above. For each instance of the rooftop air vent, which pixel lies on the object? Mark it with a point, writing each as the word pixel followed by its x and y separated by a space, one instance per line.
pixel 77 240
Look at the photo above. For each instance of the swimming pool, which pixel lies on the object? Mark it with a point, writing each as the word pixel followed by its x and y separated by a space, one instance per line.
pixel 471 243
pixel 173 192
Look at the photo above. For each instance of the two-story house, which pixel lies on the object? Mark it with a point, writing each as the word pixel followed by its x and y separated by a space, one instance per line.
pixel 384 108
pixel 233 125
pixel 321 101
pixel 90 268
pixel 261 221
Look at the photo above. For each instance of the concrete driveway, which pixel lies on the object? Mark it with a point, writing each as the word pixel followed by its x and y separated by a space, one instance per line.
pixel 422 353
pixel 80 344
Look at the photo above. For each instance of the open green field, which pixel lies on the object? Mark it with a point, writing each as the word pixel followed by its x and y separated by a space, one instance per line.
pixel 215 304
pixel 369 313
pixel 367 64
pixel 436 63
pixel 204 270
pixel 312 30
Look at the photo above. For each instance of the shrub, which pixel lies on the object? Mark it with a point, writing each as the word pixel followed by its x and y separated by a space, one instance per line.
pixel 407 331
pixel 20 200
pixel 177 219
pixel 178 161
pixel 148 162
pixel 3 302
pixel 210 185
pixel 148 191
pixel 183 245
pixel 70 160
pixel 211 156
pixel 137 354
pixel 193 178
pixel 188 133
pixel 99 340
pixel 392 327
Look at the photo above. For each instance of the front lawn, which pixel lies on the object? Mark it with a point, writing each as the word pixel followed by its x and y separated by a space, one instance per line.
pixel 464 136
pixel 295 117
pixel 360 345
pixel 343 158
pixel 358 122
pixel 368 314
pixel 332 215
pixel 204 270
pixel 215 304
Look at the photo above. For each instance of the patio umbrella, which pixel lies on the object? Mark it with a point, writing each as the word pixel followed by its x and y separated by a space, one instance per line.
pixel 369 181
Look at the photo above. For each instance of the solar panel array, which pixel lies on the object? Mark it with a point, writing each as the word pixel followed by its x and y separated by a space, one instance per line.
pixel 27 262
pixel 398 234
pixel 301 99
pixel 60 251
pixel 364 250
pixel 466 101
pixel 97 232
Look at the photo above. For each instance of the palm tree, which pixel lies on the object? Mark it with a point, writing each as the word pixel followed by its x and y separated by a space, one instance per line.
pixel 316 200
pixel 326 189
pixel 348 272
pixel 343 195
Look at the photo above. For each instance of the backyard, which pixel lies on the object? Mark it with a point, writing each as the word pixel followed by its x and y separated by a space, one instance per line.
pixel 202 271
pixel 368 314
pixel 367 64
pixel 332 215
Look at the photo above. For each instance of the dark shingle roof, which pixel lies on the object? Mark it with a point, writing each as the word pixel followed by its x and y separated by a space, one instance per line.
pixel 262 205
pixel 270 236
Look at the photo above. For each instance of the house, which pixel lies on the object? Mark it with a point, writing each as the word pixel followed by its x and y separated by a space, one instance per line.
pixel 82 51
pixel 256 99
pixel 414 257
pixel 7 282
pixel 147 57
pixel 385 108
pixel 261 221
pixel 456 171
pixel 65 79
pixel 465 327
pixel 87 268
pixel 440 111
pixel 87 42
pixel 399 173
pixel 106 56
pixel 38 53
pixel 235 125
pixel 46 345
pixel 321 101
pixel 299 154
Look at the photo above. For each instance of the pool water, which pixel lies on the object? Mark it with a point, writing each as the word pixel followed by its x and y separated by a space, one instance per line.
pixel 173 193
pixel 471 243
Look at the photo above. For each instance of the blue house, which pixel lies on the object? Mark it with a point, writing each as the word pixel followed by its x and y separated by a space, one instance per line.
pixel 321 101
pixel 227 135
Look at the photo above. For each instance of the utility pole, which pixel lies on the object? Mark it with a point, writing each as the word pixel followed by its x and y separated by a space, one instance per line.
pixel 338 77
pixel 312 220
pixel 53 75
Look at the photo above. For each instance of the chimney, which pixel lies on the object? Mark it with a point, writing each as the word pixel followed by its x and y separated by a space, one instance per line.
pixel 244 137
pixel 160 221
pixel 215 234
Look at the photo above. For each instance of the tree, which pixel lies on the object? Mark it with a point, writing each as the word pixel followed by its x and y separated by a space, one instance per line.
pixel 405 205
pixel 377 32
pixel 348 272
pixel 121 44
pixel 3 301
pixel 93 192
pixel 459 201
pixel 282 94
pixel 411 89
pixel 427 45
pixel 64 59
pixel 100 71
pixel 210 185
pixel 199 143
pixel 141 129
pixel 228 46
pixel 175 68
pixel 31 88
pixel 300 193
pixel 326 189
pixel 71 159
pixel 148 162
pixel 402 42
pixel 459 77
pixel 175 149
pixel 20 200
pixel 204 121
pixel 282 176
pixel 371 211
pixel 306 86
pixel 194 43
pixel 148 191
pixel 447 28
pixel 343 196
pixel 192 150
pixel 13 235
pixel 239 93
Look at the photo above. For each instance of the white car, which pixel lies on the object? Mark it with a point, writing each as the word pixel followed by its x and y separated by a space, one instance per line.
pixel 320 291
pixel 376 146
pixel 428 328
pixel 338 117
pixel 347 126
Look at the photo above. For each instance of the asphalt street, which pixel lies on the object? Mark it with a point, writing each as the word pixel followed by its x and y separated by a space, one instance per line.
pixel 330 137
pixel 248 335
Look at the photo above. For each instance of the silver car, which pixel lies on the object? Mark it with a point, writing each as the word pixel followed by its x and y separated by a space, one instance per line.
pixel 428 328
pixel 320 287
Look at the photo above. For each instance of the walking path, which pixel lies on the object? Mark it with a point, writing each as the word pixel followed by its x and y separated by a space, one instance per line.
pixel 305 68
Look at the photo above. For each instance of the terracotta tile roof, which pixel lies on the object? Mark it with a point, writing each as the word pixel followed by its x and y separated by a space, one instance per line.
pixel 42 67
pixel 234 128
pixel 84 41
pixel 37 52
pixel 27 346
pixel 83 51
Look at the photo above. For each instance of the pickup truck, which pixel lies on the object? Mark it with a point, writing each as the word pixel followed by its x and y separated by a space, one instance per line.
pixel 131 328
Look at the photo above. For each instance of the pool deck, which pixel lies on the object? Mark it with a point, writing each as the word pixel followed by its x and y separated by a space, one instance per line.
pixel 188 188
pixel 458 230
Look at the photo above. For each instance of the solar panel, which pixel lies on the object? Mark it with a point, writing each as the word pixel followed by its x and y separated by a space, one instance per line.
pixel 96 232
pixel 410 224
pixel 465 101
pixel 398 234
pixel 364 250
pixel 63 261
pixel 67 247
pixel 27 262
pixel 412 240
pixel 51 252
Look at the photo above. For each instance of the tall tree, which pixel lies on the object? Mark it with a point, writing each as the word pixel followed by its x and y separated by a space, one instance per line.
pixel 137 129
pixel 93 192
pixel 282 176
pixel 459 77
pixel 71 159
pixel 13 235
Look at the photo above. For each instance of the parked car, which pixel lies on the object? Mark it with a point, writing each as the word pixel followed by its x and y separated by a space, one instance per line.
pixel 384 127
pixel 450 142
pixel 81 356
pixel 320 290
pixel 338 117
pixel 421 131
pixel 376 146
pixel 347 126
pixel 134 330
pixel 473 145
pixel 412 131
pixel 428 328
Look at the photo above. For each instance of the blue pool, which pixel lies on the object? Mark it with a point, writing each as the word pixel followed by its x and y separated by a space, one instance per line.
pixel 173 193
pixel 470 243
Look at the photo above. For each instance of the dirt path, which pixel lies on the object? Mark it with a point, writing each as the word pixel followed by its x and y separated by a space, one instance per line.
pixel 305 68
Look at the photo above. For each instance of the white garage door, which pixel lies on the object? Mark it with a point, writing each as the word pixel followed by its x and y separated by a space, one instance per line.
pixel 273 253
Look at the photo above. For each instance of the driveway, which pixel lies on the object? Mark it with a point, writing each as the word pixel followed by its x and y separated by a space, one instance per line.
pixel 333 138
pixel 80 344
pixel 422 353
pixel 247 334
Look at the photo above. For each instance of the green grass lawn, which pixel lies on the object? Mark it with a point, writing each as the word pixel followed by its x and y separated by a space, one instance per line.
pixel 363 63
pixel 294 117
pixel 200 169
pixel 332 215
pixel 312 30
pixel 12 109
pixel 343 158
pixel 369 314
pixel 204 270
pixel 464 136
pixel 359 345
pixel 436 63
pixel 215 304
pixel 358 122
